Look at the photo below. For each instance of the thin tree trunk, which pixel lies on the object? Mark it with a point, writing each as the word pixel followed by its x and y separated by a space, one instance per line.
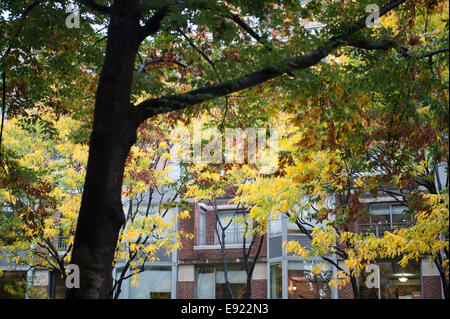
pixel 355 288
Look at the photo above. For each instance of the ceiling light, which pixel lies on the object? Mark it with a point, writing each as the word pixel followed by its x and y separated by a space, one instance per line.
pixel 403 279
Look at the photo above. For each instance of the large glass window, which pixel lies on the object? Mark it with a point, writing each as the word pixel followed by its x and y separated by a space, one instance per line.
pixel 395 282
pixel 304 284
pixel 13 285
pixel 276 281
pixel 153 283
pixel 275 225
pixel 237 279
pixel 210 282
pixel 205 282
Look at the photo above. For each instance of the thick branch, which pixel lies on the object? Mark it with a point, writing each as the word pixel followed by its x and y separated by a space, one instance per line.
pixel 154 23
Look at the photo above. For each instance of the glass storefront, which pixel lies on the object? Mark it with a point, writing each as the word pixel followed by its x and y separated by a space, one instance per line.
pixel 395 282
pixel 304 284
pixel 210 282
pixel 153 283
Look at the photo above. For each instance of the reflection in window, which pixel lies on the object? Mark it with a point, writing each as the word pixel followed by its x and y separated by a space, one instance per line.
pixel 395 282
pixel 303 284
pixel 210 282
pixel 205 283
pixel 275 281
pixel 237 279
pixel 13 285
pixel 153 283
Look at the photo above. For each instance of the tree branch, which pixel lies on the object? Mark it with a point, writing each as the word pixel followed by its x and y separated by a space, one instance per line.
pixel 154 23
pixel 249 30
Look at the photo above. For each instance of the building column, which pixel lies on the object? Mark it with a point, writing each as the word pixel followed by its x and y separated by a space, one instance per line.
pixel 186 282
pixel 431 280
pixel 259 281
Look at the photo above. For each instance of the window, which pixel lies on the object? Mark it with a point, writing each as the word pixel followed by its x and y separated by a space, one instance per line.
pixel 234 233
pixel 153 283
pixel 303 284
pixel 237 279
pixel 205 282
pixel 385 217
pixel 202 235
pixel 275 281
pixel 275 225
pixel 210 282
pixel 395 282
pixel 13 285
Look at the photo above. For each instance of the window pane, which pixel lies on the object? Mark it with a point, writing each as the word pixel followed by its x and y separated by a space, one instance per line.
pixel 237 279
pixel 399 283
pixel 380 209
pixel 275 281
pixel 275 226
pixel 205 285
pixel 151 281
pixel 395 282
pixel 303 284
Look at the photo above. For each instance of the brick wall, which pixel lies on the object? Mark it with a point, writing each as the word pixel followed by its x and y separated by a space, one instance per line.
pixel 185 290
pixel 431 287
pixel 346 292
pixel 259 289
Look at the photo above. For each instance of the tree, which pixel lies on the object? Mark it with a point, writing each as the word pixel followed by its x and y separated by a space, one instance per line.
pixel 41 190
pixel 211 183
pixel 117 114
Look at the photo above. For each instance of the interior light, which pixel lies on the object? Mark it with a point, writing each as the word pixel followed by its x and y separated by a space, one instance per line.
pixel 403 279
pixel 294 288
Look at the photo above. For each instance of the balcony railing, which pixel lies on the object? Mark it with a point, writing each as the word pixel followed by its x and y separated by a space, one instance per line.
pixel 210 238
pixel 380 228
pixel 61 244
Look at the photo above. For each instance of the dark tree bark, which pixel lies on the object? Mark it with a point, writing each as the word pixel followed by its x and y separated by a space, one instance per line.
pixel 114 132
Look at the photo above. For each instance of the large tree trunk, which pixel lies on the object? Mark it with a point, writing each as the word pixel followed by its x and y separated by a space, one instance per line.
pixel 114 132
